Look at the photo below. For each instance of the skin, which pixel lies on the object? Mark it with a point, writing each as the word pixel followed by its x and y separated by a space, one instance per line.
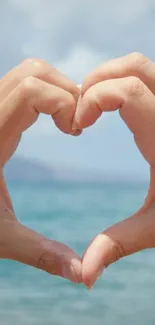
pixel 127 83
pixel 34 87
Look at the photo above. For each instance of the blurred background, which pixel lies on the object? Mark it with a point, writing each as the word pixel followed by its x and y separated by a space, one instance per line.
pixel 69 188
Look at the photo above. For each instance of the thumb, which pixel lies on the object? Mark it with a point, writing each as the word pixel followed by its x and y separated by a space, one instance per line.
pixel 124 238
pixel 29 247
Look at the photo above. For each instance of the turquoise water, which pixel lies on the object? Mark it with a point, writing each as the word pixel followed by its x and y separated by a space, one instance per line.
pixel 74 214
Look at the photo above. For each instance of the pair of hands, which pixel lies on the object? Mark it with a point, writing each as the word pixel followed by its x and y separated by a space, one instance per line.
pixel 34 87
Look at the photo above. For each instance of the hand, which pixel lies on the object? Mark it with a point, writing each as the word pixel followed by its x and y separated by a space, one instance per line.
pixel 31 88
pixel 127 83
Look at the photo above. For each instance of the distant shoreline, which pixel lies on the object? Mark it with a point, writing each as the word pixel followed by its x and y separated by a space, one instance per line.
pixel 22 170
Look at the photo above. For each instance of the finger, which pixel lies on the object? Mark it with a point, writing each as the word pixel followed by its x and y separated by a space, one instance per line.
pixel 26 246
pixel 39 69
pixel 5 200
pixel 136 103
pixel 21 108
pixel 134 64
pixel 127 237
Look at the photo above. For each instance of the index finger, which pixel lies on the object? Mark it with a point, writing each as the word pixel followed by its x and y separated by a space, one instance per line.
pixel 134 64
pixel 39 69
pixel 136 105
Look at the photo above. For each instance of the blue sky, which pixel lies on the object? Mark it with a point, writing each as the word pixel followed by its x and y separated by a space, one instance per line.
pixel 76 36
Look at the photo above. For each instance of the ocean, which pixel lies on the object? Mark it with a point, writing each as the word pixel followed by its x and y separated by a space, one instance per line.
pixel 74 214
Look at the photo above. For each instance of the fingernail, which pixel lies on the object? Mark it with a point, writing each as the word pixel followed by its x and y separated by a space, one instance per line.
pixel 76 96
pixel 74 128
pixel 68 272
pixel 96 276
pixel 76 133
pixel 75 124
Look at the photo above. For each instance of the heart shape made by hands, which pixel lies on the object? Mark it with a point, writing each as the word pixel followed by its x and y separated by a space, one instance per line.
pixel 33 88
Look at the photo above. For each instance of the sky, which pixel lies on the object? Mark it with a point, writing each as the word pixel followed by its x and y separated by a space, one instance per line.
pixel 75 37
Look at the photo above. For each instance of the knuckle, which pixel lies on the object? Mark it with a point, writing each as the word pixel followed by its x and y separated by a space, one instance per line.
pixel 69 102
pixel 35 62
pixel 37 67
pixel 138 60
pixel 47 261
pixel 134 87
pixel 43 261
pixel 28 86
pixel 117 252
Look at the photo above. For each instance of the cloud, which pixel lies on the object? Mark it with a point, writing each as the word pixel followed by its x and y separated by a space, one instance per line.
pixel 54 28
pixel 75 36
pixel 80 61
pixel 42 13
